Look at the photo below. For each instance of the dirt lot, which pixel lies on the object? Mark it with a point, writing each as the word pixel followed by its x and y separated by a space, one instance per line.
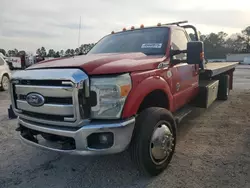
pixel 213 150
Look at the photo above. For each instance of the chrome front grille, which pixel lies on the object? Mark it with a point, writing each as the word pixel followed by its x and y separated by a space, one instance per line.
pixel 60 89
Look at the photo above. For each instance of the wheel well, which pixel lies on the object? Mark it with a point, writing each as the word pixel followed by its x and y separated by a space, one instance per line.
pixel 6 74
pixel 156 98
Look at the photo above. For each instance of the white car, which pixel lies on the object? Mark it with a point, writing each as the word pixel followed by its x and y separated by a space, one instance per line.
pixel 4 74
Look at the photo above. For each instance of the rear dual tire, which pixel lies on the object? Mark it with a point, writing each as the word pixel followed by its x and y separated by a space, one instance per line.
pixel 154 140
pixel 223 91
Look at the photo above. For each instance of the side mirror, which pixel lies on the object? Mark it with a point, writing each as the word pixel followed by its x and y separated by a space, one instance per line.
pixel 175 52
pixel 195 53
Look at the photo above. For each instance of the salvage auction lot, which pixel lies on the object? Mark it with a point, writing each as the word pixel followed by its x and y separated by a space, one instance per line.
pixel 213 150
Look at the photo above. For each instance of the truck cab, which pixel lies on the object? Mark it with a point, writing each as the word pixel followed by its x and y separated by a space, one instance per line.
pixel 124 94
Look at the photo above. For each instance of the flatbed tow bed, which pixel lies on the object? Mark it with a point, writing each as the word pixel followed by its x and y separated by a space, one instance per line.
pixel 213 69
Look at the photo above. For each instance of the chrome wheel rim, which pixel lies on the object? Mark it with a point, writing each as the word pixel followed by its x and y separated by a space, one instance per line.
pixel 5 83
pixel 161 143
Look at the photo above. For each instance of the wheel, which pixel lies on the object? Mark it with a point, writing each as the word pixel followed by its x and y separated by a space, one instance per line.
pixel 49 137
pixel 154 140
pixel 223 91
pixel 5 83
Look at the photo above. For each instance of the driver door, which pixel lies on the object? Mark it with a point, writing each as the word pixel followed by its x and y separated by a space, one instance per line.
pixel 185 81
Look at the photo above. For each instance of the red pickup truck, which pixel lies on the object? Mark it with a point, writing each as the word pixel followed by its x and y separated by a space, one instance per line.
pixel 129 92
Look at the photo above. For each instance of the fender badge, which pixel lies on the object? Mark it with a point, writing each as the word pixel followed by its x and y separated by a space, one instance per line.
pixel 169 74
pixel 163 64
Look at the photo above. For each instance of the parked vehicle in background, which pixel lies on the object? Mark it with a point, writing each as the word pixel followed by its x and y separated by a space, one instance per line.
pixel 4 74
pixel 130 91
pixel 246 61
pixel 22 62
pixel 16 62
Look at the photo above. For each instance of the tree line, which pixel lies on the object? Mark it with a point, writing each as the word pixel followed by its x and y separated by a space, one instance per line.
pixel 42 52
pixel 216 45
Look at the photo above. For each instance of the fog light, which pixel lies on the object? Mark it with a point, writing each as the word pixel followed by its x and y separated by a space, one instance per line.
pixel 100 140
pixel 103 138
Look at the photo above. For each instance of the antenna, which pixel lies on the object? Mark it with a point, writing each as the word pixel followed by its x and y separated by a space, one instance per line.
pixel 79 34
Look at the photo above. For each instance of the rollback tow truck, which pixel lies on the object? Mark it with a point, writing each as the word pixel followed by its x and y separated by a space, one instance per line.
pixel 129 92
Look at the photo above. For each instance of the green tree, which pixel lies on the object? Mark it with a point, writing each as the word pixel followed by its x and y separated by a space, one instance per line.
pixel 57 54
pixel 235 43
pixel 77 51
pixel 203 37
pixel 62 53
pixel 43 52
pixel 67 52
pixel 21 53
pixel 16 52
pixel 215 45
pixel 246 36
pixel 38 52
pixel 85 48
pixel 3 51
pixel 72 52
pixel 13 53
pixel 51 53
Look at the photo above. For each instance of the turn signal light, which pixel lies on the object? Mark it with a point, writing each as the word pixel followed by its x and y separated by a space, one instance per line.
pixel 125 90
pixel 201 55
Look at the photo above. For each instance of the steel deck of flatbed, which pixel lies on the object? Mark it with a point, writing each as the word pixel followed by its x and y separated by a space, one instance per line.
pixel 212 69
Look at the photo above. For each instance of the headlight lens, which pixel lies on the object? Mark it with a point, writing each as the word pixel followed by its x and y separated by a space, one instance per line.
pixel 111 93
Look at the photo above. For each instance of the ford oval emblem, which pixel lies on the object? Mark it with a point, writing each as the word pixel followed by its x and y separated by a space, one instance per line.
pixel 35 99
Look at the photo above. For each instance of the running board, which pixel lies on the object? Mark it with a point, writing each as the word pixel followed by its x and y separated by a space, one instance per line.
pixel 181 113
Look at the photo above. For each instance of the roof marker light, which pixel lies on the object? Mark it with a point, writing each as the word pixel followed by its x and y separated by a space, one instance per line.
pixel 142 26
pixel 112 32
pixel 132 28
pixel 159 24
pixel 124 29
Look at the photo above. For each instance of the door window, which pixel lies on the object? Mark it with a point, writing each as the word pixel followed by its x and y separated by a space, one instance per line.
pixel 179 42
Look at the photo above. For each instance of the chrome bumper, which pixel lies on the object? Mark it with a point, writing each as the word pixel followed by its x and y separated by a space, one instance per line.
pixel 122 131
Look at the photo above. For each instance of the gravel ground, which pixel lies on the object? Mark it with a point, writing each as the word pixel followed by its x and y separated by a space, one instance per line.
pixel 213 150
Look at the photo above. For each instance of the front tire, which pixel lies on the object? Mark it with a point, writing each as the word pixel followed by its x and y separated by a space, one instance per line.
pixel 154 140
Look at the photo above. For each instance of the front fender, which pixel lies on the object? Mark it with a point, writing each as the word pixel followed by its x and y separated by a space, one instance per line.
pixel 143 84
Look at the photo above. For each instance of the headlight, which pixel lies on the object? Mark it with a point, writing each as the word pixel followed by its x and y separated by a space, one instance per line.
pixel 111 93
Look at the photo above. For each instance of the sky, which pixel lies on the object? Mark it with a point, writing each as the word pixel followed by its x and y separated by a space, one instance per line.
pixel 30 24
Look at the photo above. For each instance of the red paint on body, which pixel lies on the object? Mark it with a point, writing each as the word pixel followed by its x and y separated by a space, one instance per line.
pixel 95 64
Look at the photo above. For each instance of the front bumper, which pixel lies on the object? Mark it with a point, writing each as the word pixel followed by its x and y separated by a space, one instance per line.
pixel 122 131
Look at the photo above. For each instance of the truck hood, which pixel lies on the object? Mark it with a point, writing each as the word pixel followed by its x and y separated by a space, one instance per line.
pixel 104 63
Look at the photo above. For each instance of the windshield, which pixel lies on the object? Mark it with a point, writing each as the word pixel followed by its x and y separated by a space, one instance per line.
pixel 150 41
